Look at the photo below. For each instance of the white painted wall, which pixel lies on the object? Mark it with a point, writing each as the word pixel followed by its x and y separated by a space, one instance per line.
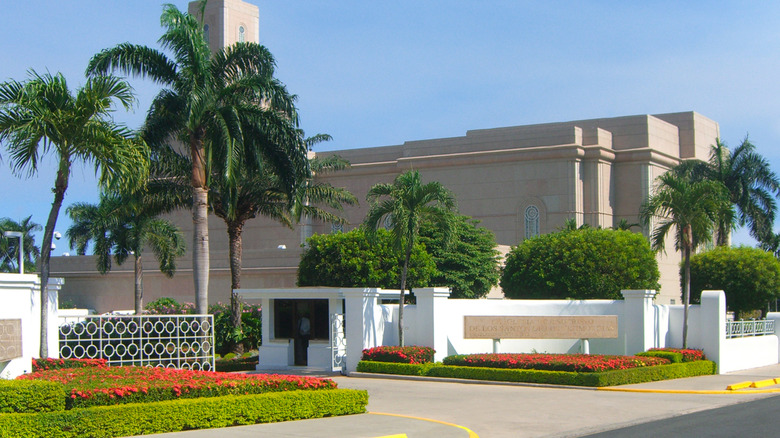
pixel 21 297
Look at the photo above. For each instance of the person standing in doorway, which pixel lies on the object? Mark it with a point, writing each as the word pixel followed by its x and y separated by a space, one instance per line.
pixel 304 334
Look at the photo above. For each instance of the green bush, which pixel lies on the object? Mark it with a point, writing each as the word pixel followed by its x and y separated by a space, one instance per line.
pixel 178 415
pixel 469 264
pixel 750 277
pixel 236 364
pixel 349 260
pixel 31 396
pixel 668 355
pixel 597 379
pixel 580 264
pixel 48 363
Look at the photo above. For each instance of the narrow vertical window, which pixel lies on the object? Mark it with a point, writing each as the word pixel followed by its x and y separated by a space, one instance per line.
pixel 241 34
pixel 531 221
pixel 206 33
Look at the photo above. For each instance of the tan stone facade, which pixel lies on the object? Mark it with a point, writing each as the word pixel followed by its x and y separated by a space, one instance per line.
pixel 519 181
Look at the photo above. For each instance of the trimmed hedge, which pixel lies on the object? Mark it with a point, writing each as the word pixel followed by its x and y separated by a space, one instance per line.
pixel 236 364
pixel 671 356
pixel 178 415
pixel 31 396
pixel 597 379
pixel 408 354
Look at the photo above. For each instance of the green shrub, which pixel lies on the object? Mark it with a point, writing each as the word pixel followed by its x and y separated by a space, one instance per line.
pixel 178 415
pixel 408 354
pixel 671 356
pixel 553 362
pixel 597 379
pixel 688 354
pixel 31 396
pixel 48 363
pixel 349 260
pixel 580 264
pixel 750 277
pixel 248 363
pixel 469 264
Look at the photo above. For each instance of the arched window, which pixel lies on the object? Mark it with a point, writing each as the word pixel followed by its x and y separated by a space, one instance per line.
pixel 206 33
pixel 531 221
pixel 241 33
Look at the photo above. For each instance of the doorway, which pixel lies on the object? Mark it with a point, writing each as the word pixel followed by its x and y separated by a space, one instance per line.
pixel 301 320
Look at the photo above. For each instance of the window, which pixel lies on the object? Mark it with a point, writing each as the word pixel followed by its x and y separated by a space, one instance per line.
pixel 241 32
pixel 206 33
pixel 531 221
pixel 287 313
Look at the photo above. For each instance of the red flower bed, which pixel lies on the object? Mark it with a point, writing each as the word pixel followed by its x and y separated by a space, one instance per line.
pixel 411 354
pixel 46 364
pixel 555 362
pixel 104 386
pixel 689 354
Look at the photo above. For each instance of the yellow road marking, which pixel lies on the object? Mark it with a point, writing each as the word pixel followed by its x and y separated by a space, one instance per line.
pixel 400 435
pixel 738 386
pixel 469 431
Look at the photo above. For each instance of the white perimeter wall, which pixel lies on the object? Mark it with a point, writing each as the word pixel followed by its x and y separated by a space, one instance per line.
pixel 21 297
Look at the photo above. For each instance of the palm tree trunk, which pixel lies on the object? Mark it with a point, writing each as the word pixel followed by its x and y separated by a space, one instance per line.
pixel 234 229
pixel 139 284
pixel 60 186
pixel 200 224
pixel 404 272
pixel 687 243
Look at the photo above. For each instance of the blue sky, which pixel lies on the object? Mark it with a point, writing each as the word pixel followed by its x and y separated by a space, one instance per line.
pixel 381 73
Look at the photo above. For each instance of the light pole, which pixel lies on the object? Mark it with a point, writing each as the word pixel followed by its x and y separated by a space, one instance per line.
pixel 21 247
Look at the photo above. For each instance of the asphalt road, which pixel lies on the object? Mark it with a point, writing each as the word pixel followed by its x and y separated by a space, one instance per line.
pixel 756 418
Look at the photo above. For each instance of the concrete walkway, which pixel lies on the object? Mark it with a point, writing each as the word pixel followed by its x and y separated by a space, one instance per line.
pixel 455 408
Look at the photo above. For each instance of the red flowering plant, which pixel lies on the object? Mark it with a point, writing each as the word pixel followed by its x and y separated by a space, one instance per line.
pixel 688 354
pixel 46 364
pixel 115 385
pixel 410 354
pixel 555 362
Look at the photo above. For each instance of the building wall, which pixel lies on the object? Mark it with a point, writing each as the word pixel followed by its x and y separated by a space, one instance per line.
pixel 595 171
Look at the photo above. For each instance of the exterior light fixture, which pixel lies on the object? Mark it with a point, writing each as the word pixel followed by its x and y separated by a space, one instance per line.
pixel 21 247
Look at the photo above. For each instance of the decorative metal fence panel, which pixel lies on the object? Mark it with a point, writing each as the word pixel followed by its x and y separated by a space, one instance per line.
pixel 757 327
pixel 338 342
pixel 171 341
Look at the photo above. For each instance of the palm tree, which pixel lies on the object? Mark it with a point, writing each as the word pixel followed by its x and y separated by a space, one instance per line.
pixel 625 225
pixel 123 227
pixel 9 248
pixel 751 184
pixel 42 116
pixel 403 206
pixel 224 105
pixel 692 209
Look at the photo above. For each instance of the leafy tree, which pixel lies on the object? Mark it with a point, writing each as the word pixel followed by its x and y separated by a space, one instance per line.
pixel 122 227
pixel 751 186
pixel 42 116
pixel 750 277
pixel 226 108
pixel 689 207
pixel 406 204
pixel 580 264
pixel 469 266
pixel 625 225
pixel 352 260
pixel 9 247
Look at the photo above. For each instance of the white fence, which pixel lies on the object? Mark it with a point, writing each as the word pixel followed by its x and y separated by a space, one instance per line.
pixel 171 341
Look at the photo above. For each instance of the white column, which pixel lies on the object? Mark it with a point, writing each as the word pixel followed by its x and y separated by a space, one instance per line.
pixel 638 322
pixel 360 321
pixel 432 319
pixel 713 326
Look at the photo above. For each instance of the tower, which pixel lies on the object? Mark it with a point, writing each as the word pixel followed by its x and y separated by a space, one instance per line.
pixel 227 22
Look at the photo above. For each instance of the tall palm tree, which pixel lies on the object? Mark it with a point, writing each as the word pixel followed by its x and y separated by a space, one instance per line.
pixel 403 206
pixel 751 184
pixel 9 247
pixel 691 208
pixel 226 104
pixel 122 227
pixel 42 116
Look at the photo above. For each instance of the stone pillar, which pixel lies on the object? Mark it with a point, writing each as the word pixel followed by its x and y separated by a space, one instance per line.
pixel 775 316
pixel 432 319
pixel 638 322
pixel 713 325
pixel 360 320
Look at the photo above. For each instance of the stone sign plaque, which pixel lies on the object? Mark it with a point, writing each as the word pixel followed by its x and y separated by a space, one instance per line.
pixel 540 327
pixel 10 339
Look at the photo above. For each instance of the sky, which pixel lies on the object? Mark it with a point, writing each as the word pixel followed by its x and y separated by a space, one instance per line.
pixel 381 73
